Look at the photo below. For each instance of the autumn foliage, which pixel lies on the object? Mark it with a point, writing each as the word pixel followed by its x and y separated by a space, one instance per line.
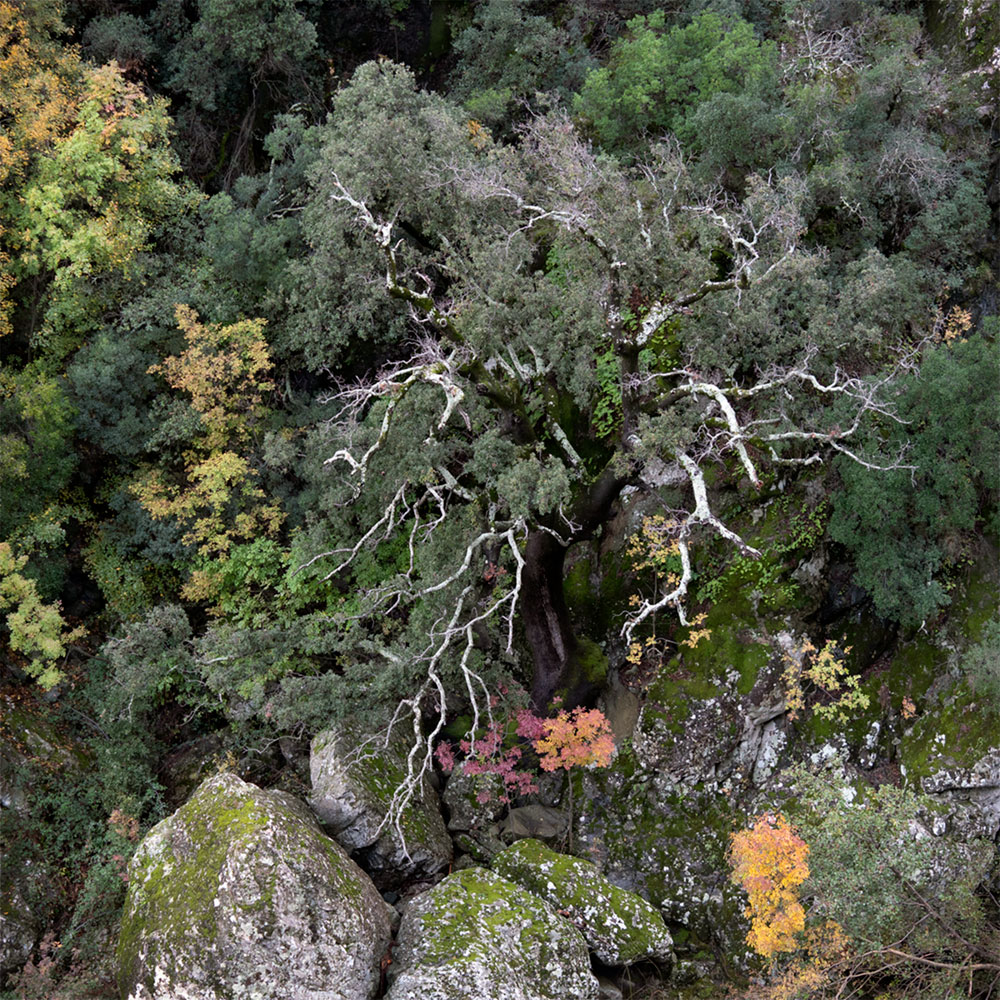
pixel 769 861
pixel 224 373
pixel 827 672
pixel 37 630
pixel 579 738
pixel 487 755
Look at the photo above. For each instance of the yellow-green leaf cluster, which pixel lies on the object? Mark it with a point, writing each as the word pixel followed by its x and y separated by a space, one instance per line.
pixel 825 669
pixel 224 373
pixel 40 86
pixel 37 630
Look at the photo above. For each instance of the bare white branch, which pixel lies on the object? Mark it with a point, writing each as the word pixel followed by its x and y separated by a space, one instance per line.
pixel 431 367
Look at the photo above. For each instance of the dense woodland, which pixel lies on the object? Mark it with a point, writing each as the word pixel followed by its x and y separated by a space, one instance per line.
pixel 431 362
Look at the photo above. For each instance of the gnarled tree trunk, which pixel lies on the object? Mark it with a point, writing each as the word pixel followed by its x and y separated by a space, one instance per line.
pixel 548 629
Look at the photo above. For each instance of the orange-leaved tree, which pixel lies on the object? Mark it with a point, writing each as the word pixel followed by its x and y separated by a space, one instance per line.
pixel 580 738
pixel 769 861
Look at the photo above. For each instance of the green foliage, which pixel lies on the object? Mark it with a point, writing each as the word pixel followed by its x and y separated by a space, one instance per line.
pixel 879 875
pixel 84 824
pixel 904 528
pixel 251 581
pixel 234 64
pixel 507 55
pixel 884 169
pixel 767 578
pixel 384 140
pixel 36 447
pixel 123 38
pixel 608 409
pixel 656 78
pixel 251 31
pixel 136 561
pixel 112 391
pixel 736 133
pixel 981 665
pixel 148 660
pixel 535 484
pixel 764 578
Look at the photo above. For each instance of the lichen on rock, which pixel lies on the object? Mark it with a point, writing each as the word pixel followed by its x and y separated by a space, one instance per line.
pixel 970 796
pixel 477 936
pixel 239 894
pixel 618 926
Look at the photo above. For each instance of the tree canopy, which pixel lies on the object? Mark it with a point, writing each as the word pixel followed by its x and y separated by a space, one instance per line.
pixel 352 348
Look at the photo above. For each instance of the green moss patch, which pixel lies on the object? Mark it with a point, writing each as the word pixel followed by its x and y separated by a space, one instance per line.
pixel 476 927
pixel 619 926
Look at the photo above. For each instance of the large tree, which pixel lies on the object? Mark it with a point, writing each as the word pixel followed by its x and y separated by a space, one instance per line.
pixel 557 317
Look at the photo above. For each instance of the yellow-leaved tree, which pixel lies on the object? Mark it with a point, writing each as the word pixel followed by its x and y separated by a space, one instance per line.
pixel 87 180
pixel 37 630
pixel 40 87
pixel 224 373
pixel 769 861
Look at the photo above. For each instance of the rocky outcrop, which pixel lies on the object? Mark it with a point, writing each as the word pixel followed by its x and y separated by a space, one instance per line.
pixel 473 800
pixel 239 894
pixel 353 782
pixel 618 926
pixel 711 733
pixel 535 820
pixel 474 809
pixel 476 936
pixel 27 739
pixel 970 797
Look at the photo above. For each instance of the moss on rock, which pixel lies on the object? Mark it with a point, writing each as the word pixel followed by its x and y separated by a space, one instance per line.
pixel 477 936
pixel 352 792
pixel 668 843
pixel 619 926
pixel 239 892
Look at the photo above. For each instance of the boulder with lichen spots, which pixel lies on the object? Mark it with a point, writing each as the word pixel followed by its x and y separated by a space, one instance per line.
pixel 477 936
pixel 618 926
pixel 239 894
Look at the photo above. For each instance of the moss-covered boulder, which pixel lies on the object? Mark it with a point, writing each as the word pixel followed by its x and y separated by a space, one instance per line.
pixel 239 894
pixel 353 782
pixel 476 936
pixel 668 844
pixel 618 926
